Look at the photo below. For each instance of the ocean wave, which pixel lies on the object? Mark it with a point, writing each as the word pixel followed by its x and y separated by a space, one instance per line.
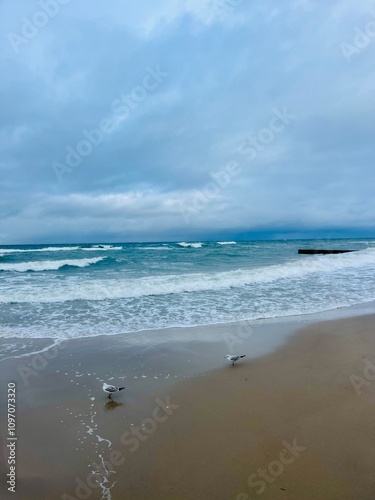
pixel 190 245
pixel 48 265
pixel 4 251
pixel 155 248
pixel 93 248
pixel 96 290
pixel 226 242
pixel 96 248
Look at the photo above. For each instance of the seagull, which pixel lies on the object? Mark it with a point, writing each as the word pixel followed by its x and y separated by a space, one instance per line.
pixel 234 357
pixel 110 389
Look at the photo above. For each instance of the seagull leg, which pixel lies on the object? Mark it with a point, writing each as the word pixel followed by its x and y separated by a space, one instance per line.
pixel 232 363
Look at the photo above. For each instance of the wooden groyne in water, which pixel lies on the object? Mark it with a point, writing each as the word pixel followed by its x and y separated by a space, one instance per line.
pixel 310 251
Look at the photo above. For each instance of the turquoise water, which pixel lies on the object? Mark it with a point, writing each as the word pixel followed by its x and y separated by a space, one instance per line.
pixel 68 291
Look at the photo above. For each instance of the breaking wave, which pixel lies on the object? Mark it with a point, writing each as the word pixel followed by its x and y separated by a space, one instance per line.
pixel 48 265
pixel 4 251
pixel 190 245
pixel 102 289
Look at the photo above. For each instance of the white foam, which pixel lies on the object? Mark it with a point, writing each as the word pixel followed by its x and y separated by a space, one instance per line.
pixel 98 248
pixel 55 343
pixel 118 288
pixel 100 440
pixel 93 248
pixel 226 243
pixel 48 265
pixel 30 250
pixel 155 248
pixel 190 245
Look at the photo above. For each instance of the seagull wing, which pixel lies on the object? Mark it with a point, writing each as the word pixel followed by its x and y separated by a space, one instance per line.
pixel 110 388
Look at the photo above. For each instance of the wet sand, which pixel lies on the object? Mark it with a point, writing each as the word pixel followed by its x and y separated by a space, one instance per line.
pixel 294 424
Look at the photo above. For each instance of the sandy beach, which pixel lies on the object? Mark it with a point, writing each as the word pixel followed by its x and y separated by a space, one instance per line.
pixel 184 183
pixel 293 424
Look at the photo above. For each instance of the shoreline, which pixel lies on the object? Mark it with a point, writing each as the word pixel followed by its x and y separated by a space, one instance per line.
pixel 67 428
pixel 193 333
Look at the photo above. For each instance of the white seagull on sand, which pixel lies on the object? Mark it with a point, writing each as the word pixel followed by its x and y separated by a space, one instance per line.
pixel 234 357
pixel 110 389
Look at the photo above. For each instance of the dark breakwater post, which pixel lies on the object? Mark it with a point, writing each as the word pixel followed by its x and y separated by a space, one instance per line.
pixel 309 251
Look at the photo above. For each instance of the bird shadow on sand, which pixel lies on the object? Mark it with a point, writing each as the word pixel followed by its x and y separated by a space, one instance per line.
pixel 111 405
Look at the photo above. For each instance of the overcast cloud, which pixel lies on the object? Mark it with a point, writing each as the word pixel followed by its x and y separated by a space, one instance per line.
pixel 185 119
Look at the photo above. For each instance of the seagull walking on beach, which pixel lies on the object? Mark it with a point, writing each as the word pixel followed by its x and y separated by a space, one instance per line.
pixel 234 357
pixel 110 389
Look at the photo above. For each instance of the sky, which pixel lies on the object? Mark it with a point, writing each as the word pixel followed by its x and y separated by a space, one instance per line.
pixel 164 120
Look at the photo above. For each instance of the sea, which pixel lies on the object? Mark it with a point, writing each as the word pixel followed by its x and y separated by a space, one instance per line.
pixel 83 290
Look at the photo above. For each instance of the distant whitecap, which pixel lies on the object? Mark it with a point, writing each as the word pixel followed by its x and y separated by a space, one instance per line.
pixel 190 245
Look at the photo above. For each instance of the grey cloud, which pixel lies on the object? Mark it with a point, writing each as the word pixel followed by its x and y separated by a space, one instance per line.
pixel 226 74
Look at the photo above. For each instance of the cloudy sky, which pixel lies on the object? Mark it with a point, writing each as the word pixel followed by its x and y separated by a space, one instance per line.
pixel 183 119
